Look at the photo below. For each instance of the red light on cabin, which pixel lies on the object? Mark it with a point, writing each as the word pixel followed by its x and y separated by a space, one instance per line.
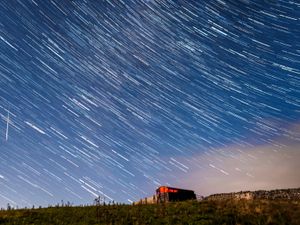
pixel 167 190
pixel 163 189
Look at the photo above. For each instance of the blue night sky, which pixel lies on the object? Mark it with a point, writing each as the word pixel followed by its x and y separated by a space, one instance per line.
pixel 115 98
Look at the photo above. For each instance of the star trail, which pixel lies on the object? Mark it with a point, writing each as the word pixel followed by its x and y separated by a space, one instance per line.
pixel 117 97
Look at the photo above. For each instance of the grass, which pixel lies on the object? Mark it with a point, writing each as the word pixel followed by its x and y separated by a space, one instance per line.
pixel 232 212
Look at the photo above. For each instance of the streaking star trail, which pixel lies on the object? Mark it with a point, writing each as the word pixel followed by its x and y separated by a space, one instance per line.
pixel 115 98
pixel 7 125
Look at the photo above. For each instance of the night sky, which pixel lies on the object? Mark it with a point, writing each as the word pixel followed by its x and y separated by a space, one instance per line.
pixel 117 97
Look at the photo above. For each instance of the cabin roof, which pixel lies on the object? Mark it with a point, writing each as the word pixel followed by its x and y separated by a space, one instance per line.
pixel 173 188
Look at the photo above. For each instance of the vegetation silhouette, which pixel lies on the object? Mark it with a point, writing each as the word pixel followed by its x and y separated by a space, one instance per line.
pixel 226 211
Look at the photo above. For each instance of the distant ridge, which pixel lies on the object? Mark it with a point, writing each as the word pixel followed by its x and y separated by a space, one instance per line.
pixel 290 193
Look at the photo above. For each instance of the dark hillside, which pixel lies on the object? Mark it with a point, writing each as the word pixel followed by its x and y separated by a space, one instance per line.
pixel 190 212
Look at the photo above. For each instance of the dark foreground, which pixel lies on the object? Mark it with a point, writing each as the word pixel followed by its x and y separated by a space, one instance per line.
pixel 192 212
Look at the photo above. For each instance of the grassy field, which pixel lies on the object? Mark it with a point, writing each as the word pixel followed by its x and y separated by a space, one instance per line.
pixel 190 212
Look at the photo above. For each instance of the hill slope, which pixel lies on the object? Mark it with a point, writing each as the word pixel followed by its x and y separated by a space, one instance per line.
pixel 190 212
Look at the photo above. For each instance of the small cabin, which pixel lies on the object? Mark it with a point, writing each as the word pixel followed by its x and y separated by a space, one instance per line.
pixel 171 194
